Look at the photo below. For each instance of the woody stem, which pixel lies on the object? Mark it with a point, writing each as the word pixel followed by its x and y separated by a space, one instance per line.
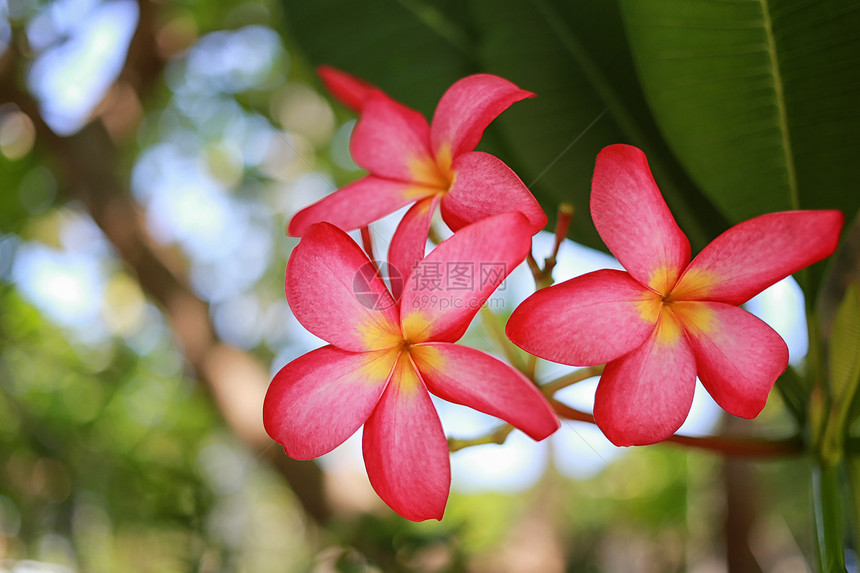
pixel 543 276
pixel 498 436
pixel 727 446
pixel 550 388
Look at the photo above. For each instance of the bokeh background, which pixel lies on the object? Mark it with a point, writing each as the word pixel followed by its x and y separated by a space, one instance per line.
pixel 151 154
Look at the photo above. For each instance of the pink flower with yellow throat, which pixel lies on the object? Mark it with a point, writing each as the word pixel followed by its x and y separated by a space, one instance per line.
pixel 667 319
pixel 410 161
pixel 384 359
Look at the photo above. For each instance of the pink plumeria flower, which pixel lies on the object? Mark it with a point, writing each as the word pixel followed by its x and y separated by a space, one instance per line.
pixel 411 161
pixel 384 359
pixel 348 89
pixel 667 320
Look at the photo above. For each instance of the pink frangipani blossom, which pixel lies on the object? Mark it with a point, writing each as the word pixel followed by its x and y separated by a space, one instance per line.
pixel 411 161
pixel 348 89
pixel 667 320
pixel 384 359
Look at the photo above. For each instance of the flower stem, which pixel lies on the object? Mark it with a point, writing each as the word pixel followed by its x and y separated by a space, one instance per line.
pixel 727 446
pixel 543 276
pixel 562 224
pixel 550 388
pixel 433 235
pixel 534 267
pixel 852 468
pixel 498 436
pixel 367 244
pixel 827 505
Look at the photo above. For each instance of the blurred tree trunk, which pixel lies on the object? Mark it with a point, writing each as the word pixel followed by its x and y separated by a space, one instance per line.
pixel 89 166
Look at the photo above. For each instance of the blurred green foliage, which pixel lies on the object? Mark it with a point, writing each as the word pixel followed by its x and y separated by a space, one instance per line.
pixel 96 441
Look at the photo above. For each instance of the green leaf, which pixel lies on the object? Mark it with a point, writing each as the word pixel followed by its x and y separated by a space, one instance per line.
pixel 413 50
pixel 572 55
pixel 745 107
pixel 575 57
pixel 844 355
pixel 844 375
pixel 758 98
pixel 794 394
pixel 828 508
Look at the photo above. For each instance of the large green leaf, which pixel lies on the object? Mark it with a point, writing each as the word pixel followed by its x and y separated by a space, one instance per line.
pixel 844 356
pixel 794 394
pixel 758 98
pixel 413 50
pixel 844 373
pixel 573 56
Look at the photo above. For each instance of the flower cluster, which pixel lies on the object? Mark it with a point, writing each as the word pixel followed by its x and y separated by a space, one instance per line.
pixel 657 326
pixel 389 349
pixel 411 161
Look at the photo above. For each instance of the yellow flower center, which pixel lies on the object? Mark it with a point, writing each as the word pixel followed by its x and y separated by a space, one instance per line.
pixel 415 327
pixel 693 285
pixel 433 172
pixel 675 307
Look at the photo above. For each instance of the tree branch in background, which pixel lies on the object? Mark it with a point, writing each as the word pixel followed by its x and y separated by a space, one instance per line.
pixel 88 166
pixel 724 445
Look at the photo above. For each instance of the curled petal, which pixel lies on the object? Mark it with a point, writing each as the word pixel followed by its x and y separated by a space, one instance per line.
pixel 484 186
pixel 405 450
pixel 644 397
pixel 358 204
pixel 321 398
pixel 757 253
pixel 467 108
pixel 348 89
pixel 335 292
pixel 409 242
pixel 393 141
pixel 738 356
pixel 472 378
pixel 633 220
pixel 585 321
pixel 448 287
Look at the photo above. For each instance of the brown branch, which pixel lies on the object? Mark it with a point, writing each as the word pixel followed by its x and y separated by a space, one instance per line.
pixel 724 445
pixel 87 164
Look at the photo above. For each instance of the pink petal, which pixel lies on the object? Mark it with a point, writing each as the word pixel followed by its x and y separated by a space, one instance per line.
pixel 466 109
pixel 349 90
pixel 483 186
pixel 738 356
pixel 586 321
pixel 472 378
pixel 644 397
pixel 755 254
pixel 393 141
pixel 633 219
pixel 321 398
pixel 449 286
pixel 405 450
pixel 409 241
pixel 335 293
pixel 358 204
